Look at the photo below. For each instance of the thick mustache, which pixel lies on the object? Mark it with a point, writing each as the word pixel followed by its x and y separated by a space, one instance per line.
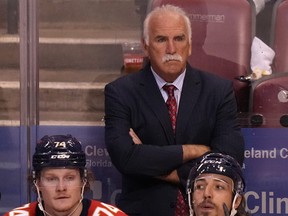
pixel 174 57
pixel 203 203
pixel 206 203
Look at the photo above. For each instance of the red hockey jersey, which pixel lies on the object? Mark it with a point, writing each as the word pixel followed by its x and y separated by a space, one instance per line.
pixel 95 208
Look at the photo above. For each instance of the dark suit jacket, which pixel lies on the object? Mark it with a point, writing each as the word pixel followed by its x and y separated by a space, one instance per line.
pixel 206 115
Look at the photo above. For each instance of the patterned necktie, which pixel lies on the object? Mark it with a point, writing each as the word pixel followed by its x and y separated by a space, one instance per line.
pixel 181 206
pixel 171 104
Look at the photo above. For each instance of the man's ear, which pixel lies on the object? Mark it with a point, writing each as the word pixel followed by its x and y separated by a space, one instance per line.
pixel 238 200
pixel 190 49
pixel 145 47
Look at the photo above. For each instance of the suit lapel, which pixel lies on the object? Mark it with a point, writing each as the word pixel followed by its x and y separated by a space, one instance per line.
pixel 189 96
pixel 149 91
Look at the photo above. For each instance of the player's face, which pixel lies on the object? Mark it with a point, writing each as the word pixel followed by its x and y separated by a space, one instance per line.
pixel 60 189
pixel 169 45
pixel 211 191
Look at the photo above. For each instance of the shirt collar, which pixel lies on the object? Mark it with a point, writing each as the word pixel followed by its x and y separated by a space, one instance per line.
pixel 178 83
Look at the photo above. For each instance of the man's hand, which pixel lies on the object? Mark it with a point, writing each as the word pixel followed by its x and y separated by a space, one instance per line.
pixel 172 177
pixel 191 151
pixel 134 137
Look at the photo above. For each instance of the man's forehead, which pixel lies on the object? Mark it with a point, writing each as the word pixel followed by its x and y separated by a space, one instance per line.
pixel 168 32
pixel 167 19
pixel 161 35
pixel 217 177
pixel 59 170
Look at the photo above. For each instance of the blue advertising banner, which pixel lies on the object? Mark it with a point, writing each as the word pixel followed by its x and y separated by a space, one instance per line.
pixel 265 165
pixel 265 169
pixel 10 168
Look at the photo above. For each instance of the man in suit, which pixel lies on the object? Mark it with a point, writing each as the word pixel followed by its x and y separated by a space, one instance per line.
pixel 152 152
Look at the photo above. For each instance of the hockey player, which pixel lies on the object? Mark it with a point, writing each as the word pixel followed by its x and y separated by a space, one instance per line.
pixel 60 176
pixel 215 187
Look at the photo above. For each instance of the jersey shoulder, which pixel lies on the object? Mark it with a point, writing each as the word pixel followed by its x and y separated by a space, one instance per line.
pixel 25 210
pixel 98 208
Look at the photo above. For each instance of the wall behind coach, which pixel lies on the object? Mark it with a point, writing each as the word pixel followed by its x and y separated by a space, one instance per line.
pixel 265 167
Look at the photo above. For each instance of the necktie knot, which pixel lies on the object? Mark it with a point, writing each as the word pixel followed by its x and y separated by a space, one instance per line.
pixel 169 89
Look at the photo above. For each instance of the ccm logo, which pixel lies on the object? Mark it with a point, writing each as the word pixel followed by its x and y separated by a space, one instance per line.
pixel 60 156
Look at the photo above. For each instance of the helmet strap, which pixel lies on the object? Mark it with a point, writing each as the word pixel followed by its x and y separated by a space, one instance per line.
pixel 39 199
pixel 233 210
pixel 85 175
pixel 83 187
pixel 189 194
pixel 34 176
